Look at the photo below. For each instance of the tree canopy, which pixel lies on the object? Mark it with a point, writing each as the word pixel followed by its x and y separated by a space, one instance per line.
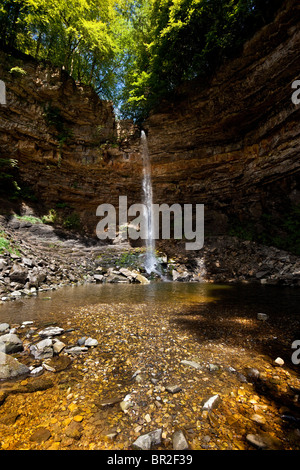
pixel 133 51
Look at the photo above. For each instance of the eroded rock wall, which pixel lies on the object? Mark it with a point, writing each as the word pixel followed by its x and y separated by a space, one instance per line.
pixel 234 144
pixel 70 150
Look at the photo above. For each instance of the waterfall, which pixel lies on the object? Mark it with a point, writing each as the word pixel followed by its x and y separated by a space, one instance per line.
pixel 150 259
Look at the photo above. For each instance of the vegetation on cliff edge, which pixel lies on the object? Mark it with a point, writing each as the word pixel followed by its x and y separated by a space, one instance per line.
pixel 134 52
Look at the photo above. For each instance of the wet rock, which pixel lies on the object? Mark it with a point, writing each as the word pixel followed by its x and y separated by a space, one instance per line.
pixel 89 342
pixel 59 363
pixel 58 346
pixel 146 441
pixel 110 402
pixel 43 349
pixel 259 419
pixel 4 327
pixel 75 350
pixel 252 374
pixel 51 331
pixel 256 440
pixel 173 388
pixel 211 403
pixel 262 316
pixel 74 430
pixel 10 343
pixel 18 273
pixel 179 441
pixel 37 384
pixel 11 367
pixel 278 361
pixel 194 364
pixel 40 435
pixel 9 418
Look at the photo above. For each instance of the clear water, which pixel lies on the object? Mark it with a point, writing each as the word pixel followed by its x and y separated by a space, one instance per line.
pixel 278 303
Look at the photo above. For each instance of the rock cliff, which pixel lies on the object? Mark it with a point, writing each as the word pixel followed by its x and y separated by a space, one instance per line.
pixel 232 144
pixel 71 152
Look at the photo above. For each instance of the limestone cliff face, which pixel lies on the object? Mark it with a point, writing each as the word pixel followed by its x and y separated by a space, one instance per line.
pixel 71 152
pixel 234 144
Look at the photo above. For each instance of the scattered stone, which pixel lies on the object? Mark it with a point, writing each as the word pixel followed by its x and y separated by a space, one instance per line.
pixel 259 419
pixel 146 441
pixel 191 364
pixel 142 443
pixel 18 273
pixel 10 343
pixel 58 346
pixel 262 316
pixel 48 367
pixel 11 367
pixel 4 327
pixel 89 342
pixel 213 367
pixel 40 435
pixel 74 430
pixel 173 388
pixel 211 403
pixel 256 440
pixel 81 341
pixel 278 361
pixel 43 349
pixel 37 371
pixel 179 441
pixel 75 350
pixel 126 403
pixel 51 331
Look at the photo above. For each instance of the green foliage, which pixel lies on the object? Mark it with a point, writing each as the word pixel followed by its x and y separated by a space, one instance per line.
pixel 29 218
pixel 17 71
pixel 50 218
pixel 134 52
pixel 6 246
pixel 183 39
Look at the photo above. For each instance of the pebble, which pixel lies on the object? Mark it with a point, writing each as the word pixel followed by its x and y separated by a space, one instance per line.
pixel 191 364
pixel 173 388
pixel 211 403
pixel 279 362
pixel 179 441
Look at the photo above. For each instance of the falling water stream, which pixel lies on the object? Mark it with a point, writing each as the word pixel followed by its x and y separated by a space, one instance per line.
pixel 150 259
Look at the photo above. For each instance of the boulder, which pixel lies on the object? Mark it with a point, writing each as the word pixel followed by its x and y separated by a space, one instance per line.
pixel 10 343
pixel 43 349
pixel 146 441
pixel 18 273
pixel 51 331
pixel 4 327
pixel 11 367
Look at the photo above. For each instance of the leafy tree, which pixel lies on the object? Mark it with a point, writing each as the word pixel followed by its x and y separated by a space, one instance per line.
pixel 188 39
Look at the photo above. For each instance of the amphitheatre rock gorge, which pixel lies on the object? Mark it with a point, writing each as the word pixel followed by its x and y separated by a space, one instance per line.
pixel 70 151
pixel 234 144
pixel 207 144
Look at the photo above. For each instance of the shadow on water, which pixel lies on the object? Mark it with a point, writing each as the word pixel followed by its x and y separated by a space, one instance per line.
pixel 231 318
pixel 217 313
